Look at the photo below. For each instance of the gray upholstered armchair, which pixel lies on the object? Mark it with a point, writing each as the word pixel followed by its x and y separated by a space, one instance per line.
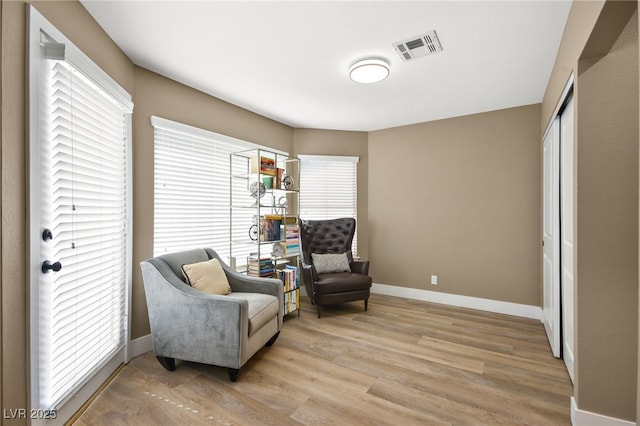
pixel 329 272
pixel 223 330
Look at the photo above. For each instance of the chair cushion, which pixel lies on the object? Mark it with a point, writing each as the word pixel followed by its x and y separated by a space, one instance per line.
pixel 262 308
pixel 208 277
pixel 342 281
pixel 330 262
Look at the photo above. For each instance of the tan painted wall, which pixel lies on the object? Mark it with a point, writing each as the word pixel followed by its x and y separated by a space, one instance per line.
pixel 607 262
pixel 159 96
pixel 459 198
pixel 334 142
pixel 14 344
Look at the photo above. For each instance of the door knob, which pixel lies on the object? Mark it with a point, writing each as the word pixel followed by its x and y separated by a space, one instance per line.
pixel 48 266
pixel 47 235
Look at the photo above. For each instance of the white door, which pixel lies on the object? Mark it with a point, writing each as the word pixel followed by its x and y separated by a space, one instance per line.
pixel 566 214
pixel 551 236
pixel 79 208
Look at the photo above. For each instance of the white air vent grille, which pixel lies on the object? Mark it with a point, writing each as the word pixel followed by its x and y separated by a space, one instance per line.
pixel 418 46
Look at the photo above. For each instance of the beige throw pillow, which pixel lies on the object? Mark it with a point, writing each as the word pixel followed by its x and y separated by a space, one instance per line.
pixel 326 263
pixel 207 276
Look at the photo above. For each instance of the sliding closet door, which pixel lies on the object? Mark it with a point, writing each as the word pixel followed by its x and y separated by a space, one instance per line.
pixel 551 236
pixel 566 218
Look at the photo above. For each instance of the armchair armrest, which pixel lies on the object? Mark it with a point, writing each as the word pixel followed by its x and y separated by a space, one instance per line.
pixel 191 325
pixel 246 284
pixel 360 267
pixel 309 272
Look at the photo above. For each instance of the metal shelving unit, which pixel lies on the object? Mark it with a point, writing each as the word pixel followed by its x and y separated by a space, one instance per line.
pixel 264 205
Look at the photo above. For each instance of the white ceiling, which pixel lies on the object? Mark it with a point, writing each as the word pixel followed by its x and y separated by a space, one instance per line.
pixel 288 60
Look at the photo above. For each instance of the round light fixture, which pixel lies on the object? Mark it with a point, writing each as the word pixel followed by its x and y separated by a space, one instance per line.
pixel 369 70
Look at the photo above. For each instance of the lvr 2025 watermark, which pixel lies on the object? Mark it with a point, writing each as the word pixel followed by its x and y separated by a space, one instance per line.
pixel 34 413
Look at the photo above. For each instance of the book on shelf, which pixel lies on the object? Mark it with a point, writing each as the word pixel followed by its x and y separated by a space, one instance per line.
pixel 290 277
pixel 260 267
pixel 291 250
pixel 292 240
pixel 291 301
pixel 266 165
pixel 271 227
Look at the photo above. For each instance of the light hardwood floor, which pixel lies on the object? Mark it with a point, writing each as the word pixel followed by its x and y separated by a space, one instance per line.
pixel 404 362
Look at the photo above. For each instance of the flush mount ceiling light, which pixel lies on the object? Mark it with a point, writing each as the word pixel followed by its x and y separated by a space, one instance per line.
pixel 369 70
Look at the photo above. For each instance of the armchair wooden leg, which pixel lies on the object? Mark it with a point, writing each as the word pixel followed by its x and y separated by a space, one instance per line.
pixel 167 363
pixel 233 374
pixel 366 304
pixel 318 307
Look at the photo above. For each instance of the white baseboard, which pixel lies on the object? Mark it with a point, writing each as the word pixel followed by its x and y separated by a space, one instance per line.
pixel 496 306
pixel 140 346
pixel 586 418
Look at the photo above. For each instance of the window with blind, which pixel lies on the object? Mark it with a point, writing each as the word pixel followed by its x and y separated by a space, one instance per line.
pixel 329 188
pixel 79 215
pixel 192 187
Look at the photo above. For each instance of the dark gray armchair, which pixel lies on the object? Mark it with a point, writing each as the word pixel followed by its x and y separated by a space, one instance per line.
pixel 222 330
pixel 332 236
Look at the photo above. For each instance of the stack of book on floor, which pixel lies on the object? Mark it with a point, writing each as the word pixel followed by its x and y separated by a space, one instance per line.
pixel 262 267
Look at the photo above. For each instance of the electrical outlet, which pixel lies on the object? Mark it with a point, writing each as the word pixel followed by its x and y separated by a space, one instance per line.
pixel 434 279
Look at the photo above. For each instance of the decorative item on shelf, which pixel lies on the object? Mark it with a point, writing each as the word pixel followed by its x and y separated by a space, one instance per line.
pixel 281 205
pixel 277 250
pixel 257 190
pixel 254 232
pixel 287 182
pixel 267 181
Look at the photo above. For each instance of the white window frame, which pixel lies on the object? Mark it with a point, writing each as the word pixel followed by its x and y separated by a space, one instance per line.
pixel 324 184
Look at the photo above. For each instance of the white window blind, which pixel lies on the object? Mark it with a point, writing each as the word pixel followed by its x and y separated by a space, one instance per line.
pixel 328 188
pixel 84 169
pixel 192 187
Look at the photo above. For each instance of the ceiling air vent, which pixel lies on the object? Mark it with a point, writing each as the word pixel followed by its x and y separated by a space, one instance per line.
pixel 418 46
